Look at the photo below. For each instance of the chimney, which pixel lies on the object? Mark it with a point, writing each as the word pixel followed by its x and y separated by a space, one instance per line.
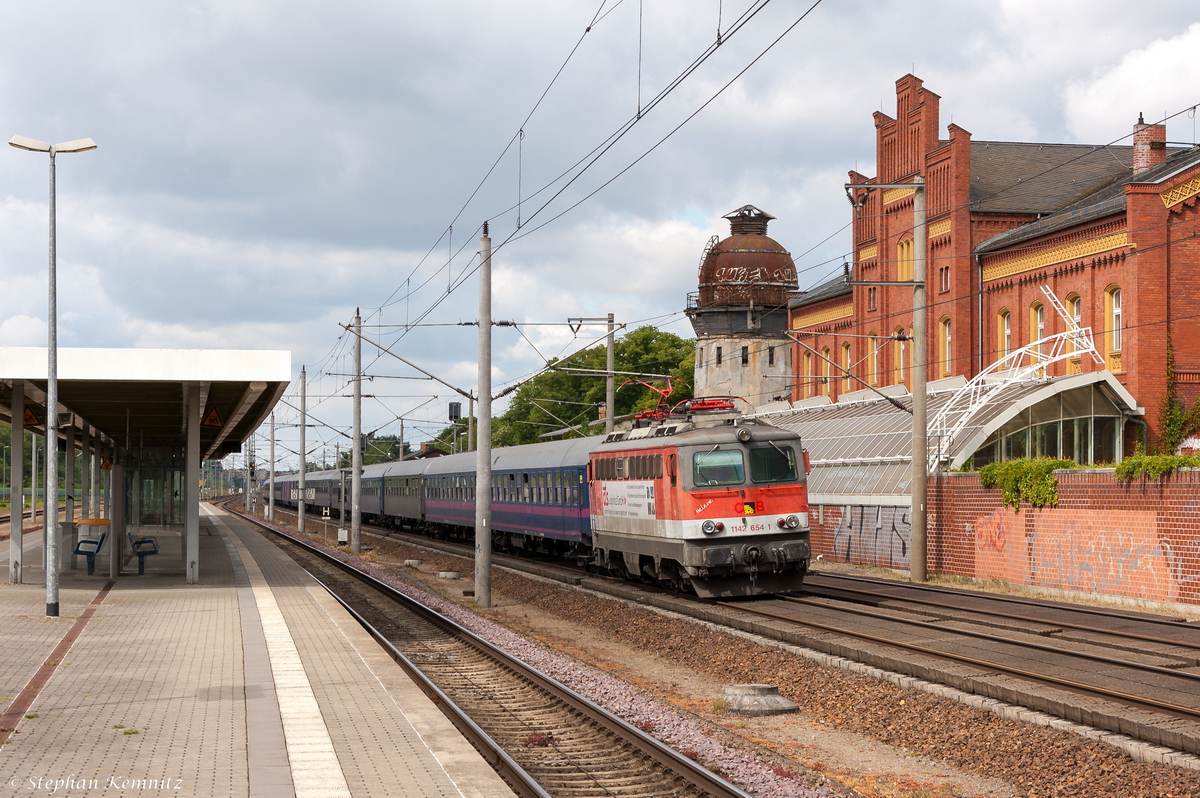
pixel 1149 145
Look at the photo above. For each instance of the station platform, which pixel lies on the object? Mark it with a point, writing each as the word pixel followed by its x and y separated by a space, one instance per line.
pixel 254 682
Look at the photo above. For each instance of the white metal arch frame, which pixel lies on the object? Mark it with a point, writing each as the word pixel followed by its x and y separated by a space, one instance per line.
pixel 1023 365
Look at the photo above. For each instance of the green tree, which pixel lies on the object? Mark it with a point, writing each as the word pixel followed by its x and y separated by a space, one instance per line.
pixel 376 449
pixel 559 399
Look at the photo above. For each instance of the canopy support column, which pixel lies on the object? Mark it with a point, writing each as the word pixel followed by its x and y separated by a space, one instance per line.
pixel 192 486
pixel 16 498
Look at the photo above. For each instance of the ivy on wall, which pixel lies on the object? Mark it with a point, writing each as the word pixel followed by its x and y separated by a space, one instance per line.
pixel 1154 465
pixel 1175 424
pixel 1031 479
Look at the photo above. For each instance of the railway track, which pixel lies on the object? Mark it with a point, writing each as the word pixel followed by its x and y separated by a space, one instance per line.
pixel 1130 673
pixel 1158 687
pixel 542 737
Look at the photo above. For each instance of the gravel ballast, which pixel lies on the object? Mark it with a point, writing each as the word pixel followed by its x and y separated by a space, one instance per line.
pixel 1034 760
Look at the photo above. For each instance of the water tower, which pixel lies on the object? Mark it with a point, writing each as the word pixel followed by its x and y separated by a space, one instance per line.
pixel 740 313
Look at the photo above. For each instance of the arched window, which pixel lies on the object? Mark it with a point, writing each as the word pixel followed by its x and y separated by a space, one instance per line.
pixel 1037 323
pixel 945 357
pixel 846 367
pixel 873 358
pixel 1113 327
pixel 1004 333
pixel 826 369
pixel 808 375
pixel 1075 311
pixel 911 346
pixel 904 260
pixel 898 355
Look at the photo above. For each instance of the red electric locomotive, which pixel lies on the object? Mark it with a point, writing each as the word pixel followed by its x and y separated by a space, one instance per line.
pixel 712 502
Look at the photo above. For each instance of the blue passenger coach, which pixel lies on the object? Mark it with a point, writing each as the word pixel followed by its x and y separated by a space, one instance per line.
pixel 539 493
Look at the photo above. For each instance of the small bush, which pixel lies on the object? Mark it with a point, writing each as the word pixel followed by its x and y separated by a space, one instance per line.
pixel 130 731
pixel 1031 480
pixel 1154 465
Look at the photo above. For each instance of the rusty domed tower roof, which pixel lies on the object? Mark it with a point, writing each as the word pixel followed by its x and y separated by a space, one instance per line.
pixel 748 267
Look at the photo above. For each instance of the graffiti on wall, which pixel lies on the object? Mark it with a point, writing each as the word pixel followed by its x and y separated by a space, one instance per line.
pixel 1000 548
pixel 1116 552
pixel 873 535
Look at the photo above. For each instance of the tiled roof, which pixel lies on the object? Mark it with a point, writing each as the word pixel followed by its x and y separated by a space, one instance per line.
pixel 1016 177
pixel 1104 201
pixel 836 286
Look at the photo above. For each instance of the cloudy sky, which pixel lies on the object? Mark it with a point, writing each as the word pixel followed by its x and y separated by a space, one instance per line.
pixel 265 167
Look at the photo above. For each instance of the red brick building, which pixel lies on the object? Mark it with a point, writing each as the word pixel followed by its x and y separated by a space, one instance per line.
pixel 1113 231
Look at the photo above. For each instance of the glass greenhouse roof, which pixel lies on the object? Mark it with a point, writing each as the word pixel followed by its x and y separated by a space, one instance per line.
pixel 860 448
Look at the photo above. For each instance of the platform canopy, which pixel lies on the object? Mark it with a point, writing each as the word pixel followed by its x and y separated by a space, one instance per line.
pixel 138 395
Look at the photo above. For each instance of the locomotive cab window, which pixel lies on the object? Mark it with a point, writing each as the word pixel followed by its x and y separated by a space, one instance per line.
pixel 718 468
pixel 773 464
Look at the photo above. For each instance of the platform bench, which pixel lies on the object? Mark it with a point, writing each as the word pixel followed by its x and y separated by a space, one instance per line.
pixel 142 548
pixel 90 547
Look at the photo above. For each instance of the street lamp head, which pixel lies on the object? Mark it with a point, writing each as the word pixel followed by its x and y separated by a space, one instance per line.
pixel 22 143
pixel 78 145
pixel 33 145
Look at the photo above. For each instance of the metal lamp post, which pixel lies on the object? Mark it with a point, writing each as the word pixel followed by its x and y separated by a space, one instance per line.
pixel 79 145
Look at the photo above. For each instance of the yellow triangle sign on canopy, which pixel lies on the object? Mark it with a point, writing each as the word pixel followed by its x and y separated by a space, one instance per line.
pixel 212 419
pixel 31 419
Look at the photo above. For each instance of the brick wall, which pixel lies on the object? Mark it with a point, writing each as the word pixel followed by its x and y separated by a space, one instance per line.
pixel 1139 539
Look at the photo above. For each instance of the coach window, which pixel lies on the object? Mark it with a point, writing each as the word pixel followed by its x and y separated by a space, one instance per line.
pixel 717 467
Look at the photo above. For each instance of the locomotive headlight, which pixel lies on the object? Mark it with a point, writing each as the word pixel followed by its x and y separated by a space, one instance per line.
pixel 792 522
pixel 709 527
